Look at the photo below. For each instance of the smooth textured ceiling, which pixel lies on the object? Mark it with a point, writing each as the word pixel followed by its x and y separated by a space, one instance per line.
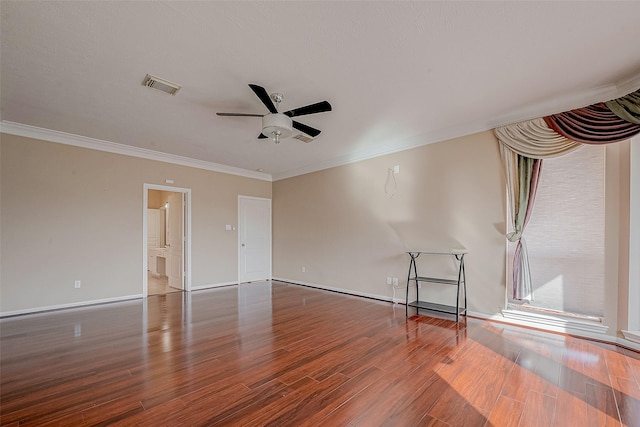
pixel 398 74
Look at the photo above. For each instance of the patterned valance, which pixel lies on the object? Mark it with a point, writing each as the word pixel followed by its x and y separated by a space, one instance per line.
pixel 595 124
pixel 627 107
pixel 557 134
pixel 534 139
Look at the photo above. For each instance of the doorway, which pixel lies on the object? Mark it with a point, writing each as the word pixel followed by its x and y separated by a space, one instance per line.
pixel 166 240
pixel 254 239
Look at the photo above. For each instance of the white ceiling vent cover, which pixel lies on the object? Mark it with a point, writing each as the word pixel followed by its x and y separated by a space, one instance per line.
pixel 161 84
pixel 303 138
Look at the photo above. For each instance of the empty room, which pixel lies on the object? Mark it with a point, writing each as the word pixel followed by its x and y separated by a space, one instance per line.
pixel 319 213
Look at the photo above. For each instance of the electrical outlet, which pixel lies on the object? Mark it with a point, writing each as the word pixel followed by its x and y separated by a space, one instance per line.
pixel 77 284
pixel 395 281
pixel 396 169
pixel 304 269
pixel 389 280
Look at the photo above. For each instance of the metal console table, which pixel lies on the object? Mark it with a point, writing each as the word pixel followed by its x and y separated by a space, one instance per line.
pixel 442 308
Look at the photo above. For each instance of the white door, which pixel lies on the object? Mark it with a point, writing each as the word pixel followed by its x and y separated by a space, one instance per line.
pixel 153 228
pixel 180 253
pixel 175 243
pixel 254 239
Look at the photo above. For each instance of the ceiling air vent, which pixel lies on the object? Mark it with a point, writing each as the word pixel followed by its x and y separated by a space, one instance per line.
pixel 303 138
pixel 161 84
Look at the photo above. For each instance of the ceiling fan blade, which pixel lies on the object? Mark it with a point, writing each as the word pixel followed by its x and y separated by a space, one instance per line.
pixel 264 97
pixel 239 115
pixel 319 107
pixel 262 136
pixel 306 129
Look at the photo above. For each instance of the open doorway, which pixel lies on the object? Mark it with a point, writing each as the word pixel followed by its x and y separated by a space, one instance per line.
pixel 166 240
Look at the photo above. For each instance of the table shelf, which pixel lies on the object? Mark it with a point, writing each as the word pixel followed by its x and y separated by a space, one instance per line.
pixel 442 308
pixel 434 280
pixel 460 282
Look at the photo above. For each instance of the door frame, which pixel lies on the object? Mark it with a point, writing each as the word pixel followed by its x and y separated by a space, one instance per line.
pixel 240 231
pixel 186 255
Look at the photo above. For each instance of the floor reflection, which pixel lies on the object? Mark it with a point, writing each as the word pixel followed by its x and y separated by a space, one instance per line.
pixel 254 301
pixel 248 303
pixel 273 353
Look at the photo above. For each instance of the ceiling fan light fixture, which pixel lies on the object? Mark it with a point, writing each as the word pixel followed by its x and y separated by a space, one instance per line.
pixel 277 126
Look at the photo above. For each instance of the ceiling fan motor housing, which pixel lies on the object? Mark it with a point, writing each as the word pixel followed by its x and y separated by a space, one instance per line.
pixel 277 124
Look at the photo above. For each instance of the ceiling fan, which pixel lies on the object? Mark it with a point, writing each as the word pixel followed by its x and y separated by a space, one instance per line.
pixel 280 125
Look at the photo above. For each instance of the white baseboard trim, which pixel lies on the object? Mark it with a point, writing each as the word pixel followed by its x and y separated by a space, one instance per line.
pixel 71 305
pixel 213 285
pixel 577 327
pixel 557 323
pixel 581 331
pixel 340 290
pixel 628 343
pixel 632 336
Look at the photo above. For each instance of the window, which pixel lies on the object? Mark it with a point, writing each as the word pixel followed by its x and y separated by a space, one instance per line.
pixel 565 236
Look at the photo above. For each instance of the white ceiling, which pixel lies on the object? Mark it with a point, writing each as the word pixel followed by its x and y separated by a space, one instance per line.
pixel 398 74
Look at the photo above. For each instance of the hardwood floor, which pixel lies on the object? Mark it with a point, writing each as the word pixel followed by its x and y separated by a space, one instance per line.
pixel 159 285
pixel 285 355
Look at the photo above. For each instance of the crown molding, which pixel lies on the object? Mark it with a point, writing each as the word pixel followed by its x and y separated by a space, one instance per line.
pixel 558 105
pixel 407 144
pixel 628 85
pixel 35 132
pixel 541 109
pixel 570 101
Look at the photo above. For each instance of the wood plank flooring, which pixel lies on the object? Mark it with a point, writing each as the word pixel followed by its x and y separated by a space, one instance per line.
pixel 159 285
pixel 273 354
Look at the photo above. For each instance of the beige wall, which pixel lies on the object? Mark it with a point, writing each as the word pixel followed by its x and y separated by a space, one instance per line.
pixel 348 234
pixel 71 213
pixel 342 227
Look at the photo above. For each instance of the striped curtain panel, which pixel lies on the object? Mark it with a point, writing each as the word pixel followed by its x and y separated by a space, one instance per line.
pixel 523 176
